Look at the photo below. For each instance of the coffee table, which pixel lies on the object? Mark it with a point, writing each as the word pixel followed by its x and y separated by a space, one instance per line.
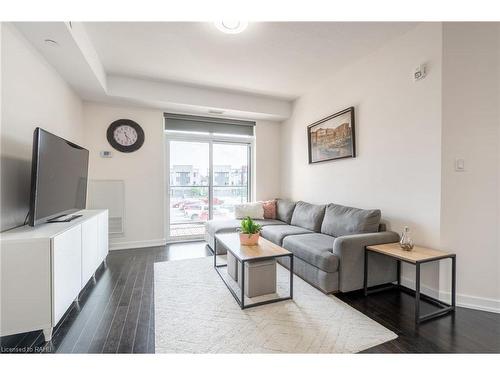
pixel 262 251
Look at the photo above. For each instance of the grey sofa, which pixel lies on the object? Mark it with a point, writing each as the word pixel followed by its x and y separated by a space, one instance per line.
pixel 327 241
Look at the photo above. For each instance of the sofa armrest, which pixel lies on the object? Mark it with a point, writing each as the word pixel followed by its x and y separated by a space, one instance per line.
pixel 350 250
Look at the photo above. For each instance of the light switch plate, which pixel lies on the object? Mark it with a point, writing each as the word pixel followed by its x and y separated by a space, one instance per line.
pixel 106 154
pixel 459 165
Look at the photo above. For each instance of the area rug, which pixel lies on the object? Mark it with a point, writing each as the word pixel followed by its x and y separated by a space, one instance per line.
pixel 196 313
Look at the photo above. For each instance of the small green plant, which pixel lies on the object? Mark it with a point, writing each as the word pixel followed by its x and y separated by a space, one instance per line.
pixel 248 226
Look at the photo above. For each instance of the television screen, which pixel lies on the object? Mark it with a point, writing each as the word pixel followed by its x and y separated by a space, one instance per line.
pixel 58 177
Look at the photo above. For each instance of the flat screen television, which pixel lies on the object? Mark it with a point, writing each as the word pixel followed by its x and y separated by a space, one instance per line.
pixel 59 171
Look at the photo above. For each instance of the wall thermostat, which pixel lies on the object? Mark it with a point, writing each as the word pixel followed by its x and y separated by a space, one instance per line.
pixel 420 72
pixel 106 154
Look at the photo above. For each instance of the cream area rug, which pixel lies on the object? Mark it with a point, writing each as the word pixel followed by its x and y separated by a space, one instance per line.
pixel 196 313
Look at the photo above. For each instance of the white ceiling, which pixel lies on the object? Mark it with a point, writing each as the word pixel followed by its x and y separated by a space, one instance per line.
pixel 281 59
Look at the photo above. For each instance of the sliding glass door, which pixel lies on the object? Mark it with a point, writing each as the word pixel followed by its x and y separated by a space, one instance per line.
pixel 207 177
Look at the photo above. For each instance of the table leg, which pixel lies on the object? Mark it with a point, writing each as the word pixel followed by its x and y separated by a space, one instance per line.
pixel 399 272
pixel 365 278
pixel 242 284
pixel 453 281
pixel 291 276
pixel 417 293
pixel 215 253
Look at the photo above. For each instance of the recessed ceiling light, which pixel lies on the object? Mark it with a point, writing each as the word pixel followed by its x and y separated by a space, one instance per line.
pixel 231 26
pixel 51 42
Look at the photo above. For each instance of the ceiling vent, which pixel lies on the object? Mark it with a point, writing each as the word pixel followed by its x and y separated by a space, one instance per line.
pixel 215 112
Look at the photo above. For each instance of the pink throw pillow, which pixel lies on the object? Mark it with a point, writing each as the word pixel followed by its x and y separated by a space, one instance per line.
pixel 269 209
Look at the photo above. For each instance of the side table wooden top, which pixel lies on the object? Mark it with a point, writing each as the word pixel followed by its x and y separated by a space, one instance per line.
pixel 418 254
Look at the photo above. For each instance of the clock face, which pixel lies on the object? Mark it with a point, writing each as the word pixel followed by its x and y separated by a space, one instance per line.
pixel 125 135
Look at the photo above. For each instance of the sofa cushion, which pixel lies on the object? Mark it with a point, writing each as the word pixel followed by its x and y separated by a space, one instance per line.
pixel 269 209
pixel 341 220
pixel 276 233
pixel 223 226
pixel 284 210
pixel 253 210
pixel 315 249
pixel 309 216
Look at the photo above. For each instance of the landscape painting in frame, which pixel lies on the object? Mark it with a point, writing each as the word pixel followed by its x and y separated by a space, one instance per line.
pixel 332 137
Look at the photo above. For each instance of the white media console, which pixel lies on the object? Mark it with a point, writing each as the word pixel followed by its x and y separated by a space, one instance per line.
pixel 44 268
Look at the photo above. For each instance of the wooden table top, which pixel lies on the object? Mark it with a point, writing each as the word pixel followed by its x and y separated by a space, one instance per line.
pixel 264 249
pixel 417 254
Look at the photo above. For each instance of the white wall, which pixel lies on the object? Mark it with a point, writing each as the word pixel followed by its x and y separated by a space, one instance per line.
pixel 1 47
pixel 408 136
pixel 470 199
pixel 267 160
pixel 142 171
pixel 398 139
pixel 33 94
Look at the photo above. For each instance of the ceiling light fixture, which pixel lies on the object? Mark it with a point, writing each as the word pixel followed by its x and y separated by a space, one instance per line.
pixel 231 26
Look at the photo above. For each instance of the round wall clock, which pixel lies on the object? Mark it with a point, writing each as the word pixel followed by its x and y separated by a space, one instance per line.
pixel 125 135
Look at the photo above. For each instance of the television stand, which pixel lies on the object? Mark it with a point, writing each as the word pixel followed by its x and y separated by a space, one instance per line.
pixel 45 268
pixel 63 218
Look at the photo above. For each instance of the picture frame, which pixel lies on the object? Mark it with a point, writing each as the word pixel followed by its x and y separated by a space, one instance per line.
pixel 332 138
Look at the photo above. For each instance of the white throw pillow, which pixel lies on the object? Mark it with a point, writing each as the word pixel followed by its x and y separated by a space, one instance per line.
pixel 254 210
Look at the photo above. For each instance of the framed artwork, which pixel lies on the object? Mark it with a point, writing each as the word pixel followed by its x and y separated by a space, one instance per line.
pixel 332 137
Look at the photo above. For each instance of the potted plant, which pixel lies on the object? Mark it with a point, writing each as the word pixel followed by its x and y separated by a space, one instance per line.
pixel 249 232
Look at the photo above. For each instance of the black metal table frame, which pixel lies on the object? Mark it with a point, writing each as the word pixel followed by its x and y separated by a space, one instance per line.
pixel 444 308
pixel 241 301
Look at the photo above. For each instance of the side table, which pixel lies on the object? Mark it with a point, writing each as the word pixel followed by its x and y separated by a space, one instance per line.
pixel 417 256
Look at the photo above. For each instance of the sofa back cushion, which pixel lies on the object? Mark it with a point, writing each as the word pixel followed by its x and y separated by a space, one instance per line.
pixel 308 216
pixel 284 210
pixel 251 210
pixel 341 220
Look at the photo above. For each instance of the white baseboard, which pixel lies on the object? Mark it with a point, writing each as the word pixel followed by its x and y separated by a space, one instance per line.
pixel 136 244
pixel 473 302
pixel 463 300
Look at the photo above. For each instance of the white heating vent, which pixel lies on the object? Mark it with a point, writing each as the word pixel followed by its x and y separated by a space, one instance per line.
pixel 115 225
pixel 109 194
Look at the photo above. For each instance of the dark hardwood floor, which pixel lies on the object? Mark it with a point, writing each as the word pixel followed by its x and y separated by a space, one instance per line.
pixel 464 331
pixel 115 314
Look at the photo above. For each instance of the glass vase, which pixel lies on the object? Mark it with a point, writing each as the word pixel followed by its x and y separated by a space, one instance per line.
pixel 406 242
